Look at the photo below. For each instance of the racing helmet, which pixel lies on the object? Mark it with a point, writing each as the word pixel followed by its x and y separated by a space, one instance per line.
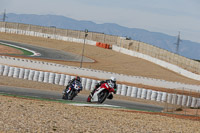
pixel 78 78
pixel 113 79
pixel 111 83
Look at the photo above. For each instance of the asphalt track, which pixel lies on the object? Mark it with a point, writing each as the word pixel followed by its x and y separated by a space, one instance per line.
pixel 80 98
pixel 47 53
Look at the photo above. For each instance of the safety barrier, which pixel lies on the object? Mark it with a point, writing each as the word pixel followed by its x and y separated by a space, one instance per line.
pixel 89 84
pixel 151 58
pixel 158 62
pixel 84 72
pixel 103 45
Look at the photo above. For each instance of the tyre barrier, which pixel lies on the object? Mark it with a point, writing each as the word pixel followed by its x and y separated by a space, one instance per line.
pixel 134 92
pixel 41 76
pixel 11 71
pixel 174 98
pixel 149 92
pixel 51 78
pixel 154 95
pixel 6 70
pixel 26 73
pixel 139 92
pixel 83 82
pixel 89 84
pixel 57 78
pixel 184 100
pixel 164 97
pixel 16 72
pixel 62 79
pixel 21 73
pixel 36 76
pixel 31 74
pixel 129 90
pixel 169 98
pixel 179 100
pixel 119 87
pixel 1 69
pixel 94 82
pixel 193 103
pixel 46 77
pixel 124 90
pixel 159 97
pixel 189 101
pixel 144 94
pixel 67 79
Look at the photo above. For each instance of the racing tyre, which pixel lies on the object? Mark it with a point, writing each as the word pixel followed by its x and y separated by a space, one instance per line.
pixel 102 96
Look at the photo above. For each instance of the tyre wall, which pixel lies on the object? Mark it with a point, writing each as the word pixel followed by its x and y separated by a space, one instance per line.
pixel 88 84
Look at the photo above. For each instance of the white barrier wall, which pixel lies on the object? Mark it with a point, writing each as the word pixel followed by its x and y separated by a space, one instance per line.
pixel 57 68
pixel 158 62
pixel 89 84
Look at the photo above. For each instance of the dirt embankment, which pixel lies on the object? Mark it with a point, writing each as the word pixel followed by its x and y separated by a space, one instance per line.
pixel 106 60
pixel 23 115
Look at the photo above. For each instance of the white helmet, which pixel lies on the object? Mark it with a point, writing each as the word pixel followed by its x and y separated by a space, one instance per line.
pixel 113 79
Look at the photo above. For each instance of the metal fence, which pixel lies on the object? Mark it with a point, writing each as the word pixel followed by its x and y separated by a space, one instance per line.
pixel 138 46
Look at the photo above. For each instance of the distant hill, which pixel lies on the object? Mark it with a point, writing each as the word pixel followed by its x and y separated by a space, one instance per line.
pixel 187 48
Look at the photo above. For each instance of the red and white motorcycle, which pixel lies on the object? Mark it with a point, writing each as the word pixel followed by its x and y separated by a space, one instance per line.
pixel 106 90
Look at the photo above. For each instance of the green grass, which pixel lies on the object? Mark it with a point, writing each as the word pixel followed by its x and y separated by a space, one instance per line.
pixel 25 52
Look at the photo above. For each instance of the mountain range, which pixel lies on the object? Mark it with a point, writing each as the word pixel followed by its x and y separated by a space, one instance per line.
pixel 187 48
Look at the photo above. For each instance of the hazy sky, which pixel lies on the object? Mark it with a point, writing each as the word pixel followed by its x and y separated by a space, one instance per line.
pixel 165 16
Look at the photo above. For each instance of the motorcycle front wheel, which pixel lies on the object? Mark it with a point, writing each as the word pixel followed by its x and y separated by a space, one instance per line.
pixel 71 95
pixel 102 96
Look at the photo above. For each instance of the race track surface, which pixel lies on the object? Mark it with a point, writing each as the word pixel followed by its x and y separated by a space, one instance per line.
pixel 80 98
pixel 47 53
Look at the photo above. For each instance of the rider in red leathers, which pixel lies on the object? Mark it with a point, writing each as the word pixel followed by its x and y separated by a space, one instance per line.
pixel 112 79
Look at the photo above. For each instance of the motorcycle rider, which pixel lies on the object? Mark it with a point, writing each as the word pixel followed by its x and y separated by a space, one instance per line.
pixel 76 79
pixel 111 80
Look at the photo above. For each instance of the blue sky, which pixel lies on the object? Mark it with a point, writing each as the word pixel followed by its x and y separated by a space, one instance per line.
pixel 165 16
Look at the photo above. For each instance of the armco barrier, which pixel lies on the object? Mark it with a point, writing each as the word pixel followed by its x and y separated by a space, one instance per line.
pixel 88 84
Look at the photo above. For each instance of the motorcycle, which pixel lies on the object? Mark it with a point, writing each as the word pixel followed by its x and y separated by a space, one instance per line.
pixel 72 91
pixel 106 90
